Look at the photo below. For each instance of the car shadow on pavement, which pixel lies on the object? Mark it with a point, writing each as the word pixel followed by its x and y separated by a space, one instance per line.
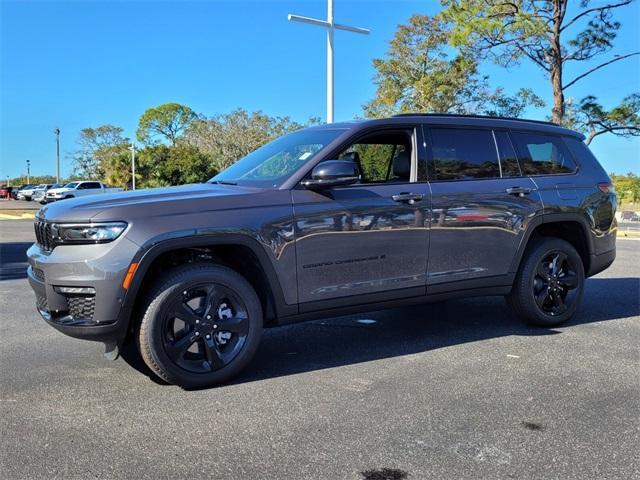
pixel 403 331
pixel 13 260
pixel 341 341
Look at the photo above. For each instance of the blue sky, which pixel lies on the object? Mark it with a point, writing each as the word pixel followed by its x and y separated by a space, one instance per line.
pixel 86 63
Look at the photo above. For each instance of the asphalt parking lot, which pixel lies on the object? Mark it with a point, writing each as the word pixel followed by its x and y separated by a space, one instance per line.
pixel 452 390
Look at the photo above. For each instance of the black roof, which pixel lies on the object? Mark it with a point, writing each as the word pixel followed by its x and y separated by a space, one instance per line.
pixel 457 115
pixel 454 119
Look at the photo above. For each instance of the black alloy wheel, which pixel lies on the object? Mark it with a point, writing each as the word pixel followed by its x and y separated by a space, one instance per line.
pixel 205 327
pixel 549 285
pixel 555 283
pixel 201 325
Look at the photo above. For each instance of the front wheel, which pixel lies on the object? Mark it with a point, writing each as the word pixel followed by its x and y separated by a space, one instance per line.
pixel 201 327
pixel 550 283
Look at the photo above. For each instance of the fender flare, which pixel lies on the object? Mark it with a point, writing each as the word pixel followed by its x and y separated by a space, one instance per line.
pixel 151 250
pixel 548 218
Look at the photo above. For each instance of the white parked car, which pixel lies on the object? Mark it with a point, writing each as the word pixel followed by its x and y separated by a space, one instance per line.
pixel 40 191
pixel 78 189
pixel 27 192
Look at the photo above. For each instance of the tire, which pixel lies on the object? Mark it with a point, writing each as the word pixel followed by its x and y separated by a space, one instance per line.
pixel 193 348
pixel 69 196
pixel 550 283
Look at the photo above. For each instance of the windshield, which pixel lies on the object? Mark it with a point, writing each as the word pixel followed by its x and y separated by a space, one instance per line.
pixel 71 185
pixel 273 163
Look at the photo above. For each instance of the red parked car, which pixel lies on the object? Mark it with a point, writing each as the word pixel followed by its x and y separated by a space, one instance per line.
pixel 5 192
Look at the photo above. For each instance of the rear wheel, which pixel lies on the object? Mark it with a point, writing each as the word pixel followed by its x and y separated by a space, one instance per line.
pixel 201 327
pixel 550 283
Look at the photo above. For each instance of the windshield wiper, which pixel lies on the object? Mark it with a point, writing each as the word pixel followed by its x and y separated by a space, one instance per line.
pixel 223 182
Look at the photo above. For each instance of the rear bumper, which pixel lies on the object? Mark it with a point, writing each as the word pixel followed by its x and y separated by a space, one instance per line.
pixel 601 262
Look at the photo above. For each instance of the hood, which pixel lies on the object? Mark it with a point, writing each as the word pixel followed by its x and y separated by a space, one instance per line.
pixel 132 205
pixel 59 190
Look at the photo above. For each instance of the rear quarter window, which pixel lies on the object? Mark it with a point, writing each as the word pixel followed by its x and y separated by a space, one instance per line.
pixel 542 154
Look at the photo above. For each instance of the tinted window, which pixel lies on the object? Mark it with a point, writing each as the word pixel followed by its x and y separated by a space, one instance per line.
pixel 463 154
pixel 382 157
pixel 580 151
pixel 271 164
pixel 542 154
pixel 91 185
pixel 508 157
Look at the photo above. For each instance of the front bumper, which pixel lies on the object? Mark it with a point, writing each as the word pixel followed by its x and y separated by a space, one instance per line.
pixel 99 269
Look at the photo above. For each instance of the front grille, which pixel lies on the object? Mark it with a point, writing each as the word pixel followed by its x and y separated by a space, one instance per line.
pixel 44 237
pixel 81 307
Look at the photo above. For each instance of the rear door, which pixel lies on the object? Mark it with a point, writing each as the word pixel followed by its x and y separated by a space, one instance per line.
pixel 481 206
pixel 369 241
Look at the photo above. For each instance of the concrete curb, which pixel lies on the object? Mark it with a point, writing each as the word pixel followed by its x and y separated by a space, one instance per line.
pixel 17 216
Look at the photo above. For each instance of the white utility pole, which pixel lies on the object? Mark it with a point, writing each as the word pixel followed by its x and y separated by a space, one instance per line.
pixel 330 25
pixel 133 166
pixel 57 134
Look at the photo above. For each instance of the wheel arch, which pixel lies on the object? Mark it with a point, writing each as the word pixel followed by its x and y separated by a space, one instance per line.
pixel 570 227
pixel 238 252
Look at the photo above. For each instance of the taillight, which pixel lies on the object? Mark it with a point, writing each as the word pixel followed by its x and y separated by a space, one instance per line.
pixel 606 187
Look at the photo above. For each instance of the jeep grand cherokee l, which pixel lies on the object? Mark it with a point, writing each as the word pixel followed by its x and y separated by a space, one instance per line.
pixel 331 219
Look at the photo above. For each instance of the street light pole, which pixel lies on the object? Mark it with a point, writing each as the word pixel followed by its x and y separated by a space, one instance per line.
pixel 330 83
pixel 57 132
pixel 330 25
pixel 133 166
pixel 28 172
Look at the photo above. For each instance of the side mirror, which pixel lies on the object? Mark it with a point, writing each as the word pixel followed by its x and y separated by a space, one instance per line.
pixel 333 173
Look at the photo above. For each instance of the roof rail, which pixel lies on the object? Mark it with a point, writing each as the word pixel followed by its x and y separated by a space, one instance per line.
pixel 473 116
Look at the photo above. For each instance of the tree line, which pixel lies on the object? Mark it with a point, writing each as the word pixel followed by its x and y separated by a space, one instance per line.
pixel 175 145
pixel 433 64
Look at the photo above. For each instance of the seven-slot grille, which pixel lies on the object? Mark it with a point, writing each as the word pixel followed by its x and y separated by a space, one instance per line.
pixel 44 237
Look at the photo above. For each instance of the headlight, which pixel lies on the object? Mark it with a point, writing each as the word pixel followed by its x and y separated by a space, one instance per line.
pixel 64 234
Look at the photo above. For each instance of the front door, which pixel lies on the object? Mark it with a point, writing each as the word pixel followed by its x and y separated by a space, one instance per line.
pixel 481 206
pixel 367 241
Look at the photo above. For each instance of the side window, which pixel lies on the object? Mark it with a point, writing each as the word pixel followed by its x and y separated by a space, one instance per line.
pixel 580 151
pixel 382 157
pixel 542 154
pixel 463 154
pixel 508 157
pixel 93 185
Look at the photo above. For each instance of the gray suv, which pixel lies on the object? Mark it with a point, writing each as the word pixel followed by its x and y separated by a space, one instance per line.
pixel 328 220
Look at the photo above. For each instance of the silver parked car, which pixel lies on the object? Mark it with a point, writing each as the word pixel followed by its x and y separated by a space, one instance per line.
pixel 40 192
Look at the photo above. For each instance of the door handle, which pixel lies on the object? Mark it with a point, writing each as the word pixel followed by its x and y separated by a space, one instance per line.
pixel 519 191
pixel 409 198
